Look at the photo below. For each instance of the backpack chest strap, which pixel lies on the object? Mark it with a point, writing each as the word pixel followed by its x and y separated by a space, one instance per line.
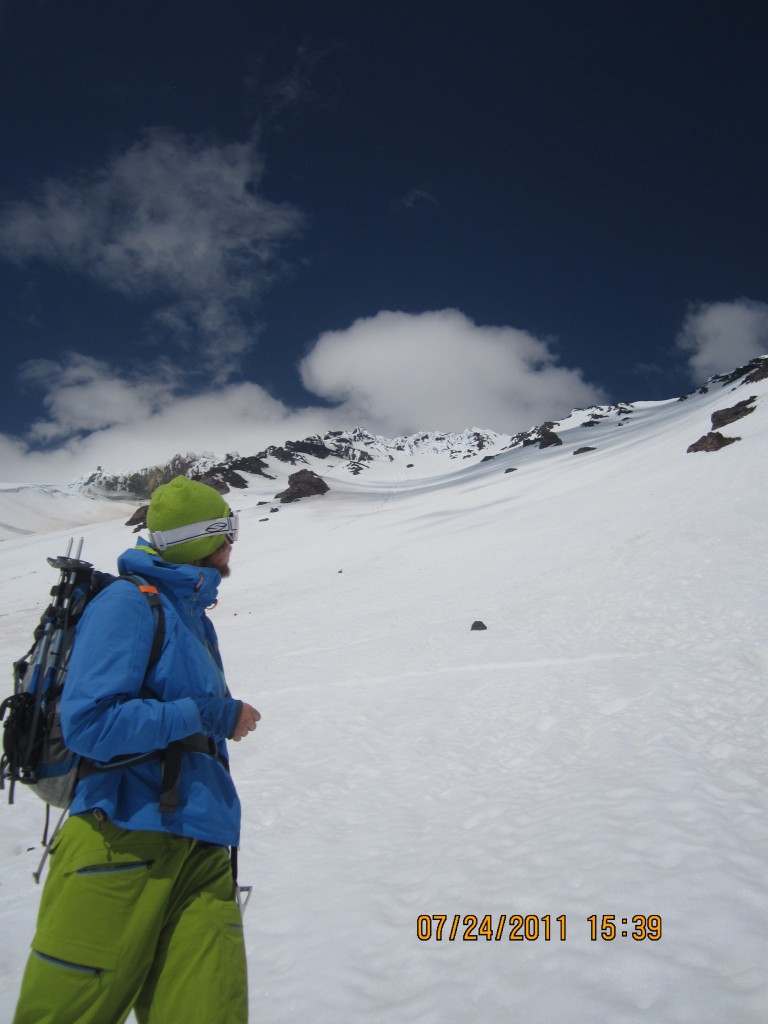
pixel 171 757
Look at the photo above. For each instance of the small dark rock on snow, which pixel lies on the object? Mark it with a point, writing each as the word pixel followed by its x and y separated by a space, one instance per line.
pixel 477 624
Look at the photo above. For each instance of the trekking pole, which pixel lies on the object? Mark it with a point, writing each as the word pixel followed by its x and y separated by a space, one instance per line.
pixel 53 636
pixel 48 843
pixel 243 894
pixel 70 569
pixel 36 687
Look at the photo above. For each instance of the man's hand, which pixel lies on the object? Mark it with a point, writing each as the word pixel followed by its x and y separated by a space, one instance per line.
pixel 246 722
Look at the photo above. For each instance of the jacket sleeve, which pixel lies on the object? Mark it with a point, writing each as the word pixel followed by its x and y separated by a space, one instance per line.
pixel 102 712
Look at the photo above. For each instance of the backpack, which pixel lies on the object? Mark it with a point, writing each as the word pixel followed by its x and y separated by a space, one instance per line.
pixel 34 751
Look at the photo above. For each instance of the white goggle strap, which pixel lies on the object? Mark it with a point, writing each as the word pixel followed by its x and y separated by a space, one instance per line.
pixel 162 539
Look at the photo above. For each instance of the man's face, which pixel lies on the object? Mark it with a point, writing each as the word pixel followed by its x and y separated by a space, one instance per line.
pixel 219 559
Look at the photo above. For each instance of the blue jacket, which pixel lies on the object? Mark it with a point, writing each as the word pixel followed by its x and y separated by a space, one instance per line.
pixel 110 709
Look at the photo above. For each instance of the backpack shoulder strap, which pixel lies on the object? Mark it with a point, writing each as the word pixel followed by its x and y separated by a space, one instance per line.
pixel 150 592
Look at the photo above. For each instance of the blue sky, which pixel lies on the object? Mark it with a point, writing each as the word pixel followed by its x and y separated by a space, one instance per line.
pixel 227 224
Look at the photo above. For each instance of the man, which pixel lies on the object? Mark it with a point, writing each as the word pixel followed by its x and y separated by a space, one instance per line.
pixel 139 908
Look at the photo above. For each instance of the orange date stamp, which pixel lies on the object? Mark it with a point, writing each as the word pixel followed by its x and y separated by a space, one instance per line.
pixel 534 927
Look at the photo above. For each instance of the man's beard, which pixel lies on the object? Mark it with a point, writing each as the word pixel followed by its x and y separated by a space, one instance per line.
pixel 209 562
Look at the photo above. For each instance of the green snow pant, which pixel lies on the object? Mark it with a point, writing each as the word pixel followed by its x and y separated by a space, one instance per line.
pixel 135 920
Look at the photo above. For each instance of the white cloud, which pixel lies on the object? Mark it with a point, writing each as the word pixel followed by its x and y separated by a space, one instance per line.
pixel 240 417
pixel 82 394
pixel 394 373
pixel 415 198
pixel 399 372
pixel 722 335
pixel 147 428
pixel 171 218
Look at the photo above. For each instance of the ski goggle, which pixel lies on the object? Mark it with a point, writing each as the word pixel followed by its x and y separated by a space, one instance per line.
pixel 228 526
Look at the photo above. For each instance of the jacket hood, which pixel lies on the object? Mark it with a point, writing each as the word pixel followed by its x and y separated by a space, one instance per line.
pixel 182 579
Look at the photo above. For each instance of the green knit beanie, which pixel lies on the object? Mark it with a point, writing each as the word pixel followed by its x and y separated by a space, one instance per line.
pixel 179 503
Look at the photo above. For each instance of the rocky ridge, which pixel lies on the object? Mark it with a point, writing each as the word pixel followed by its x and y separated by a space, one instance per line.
pixel 355 451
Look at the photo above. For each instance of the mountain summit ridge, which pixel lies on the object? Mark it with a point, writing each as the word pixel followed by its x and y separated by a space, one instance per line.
pixel 357 449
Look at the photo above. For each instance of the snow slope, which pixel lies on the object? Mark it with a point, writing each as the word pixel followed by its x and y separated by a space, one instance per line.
pixel 599 750
pixel 29 508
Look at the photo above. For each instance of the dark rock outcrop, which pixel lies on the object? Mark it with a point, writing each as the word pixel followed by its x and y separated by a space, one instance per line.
pixel 722 417
pixel 756 369
pixel 226 474
pixel 760 371
pixel 139 519
pixel 711 442
pixel 302 484
pixel 139 484
pixel 284 455
pixel 549 439
pixel 544 436
pixel 750 373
